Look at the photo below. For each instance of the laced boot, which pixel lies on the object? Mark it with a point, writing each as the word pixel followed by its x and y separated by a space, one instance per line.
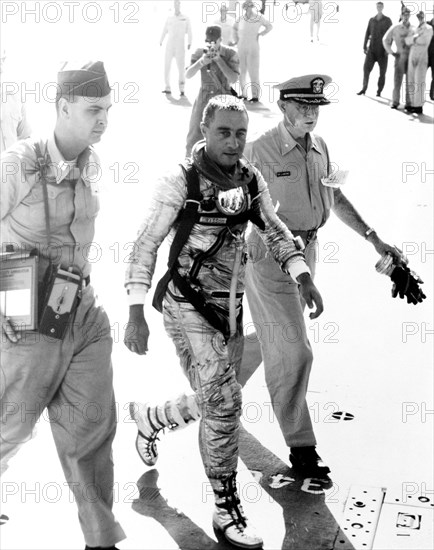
pixel 151 420
pixel 229 517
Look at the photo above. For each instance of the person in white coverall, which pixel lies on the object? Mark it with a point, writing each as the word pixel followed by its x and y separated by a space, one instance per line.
pixel 176 27
pixel 418 64
pixel 246 36
pixel 398 34
pixel 315 8
pixel 226 22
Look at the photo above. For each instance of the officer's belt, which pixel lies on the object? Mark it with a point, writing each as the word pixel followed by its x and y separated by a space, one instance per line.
pixel 308 235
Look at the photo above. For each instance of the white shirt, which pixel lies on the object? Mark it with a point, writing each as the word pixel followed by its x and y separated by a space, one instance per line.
pixel 176 27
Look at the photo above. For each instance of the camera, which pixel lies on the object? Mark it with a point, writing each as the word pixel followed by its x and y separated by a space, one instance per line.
pixel 210 49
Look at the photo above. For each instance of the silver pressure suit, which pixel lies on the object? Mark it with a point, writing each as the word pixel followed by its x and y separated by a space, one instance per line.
pixel 209 361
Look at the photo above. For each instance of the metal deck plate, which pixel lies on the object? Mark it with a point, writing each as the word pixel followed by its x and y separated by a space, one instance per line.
pixel 361 514
pixel 406 521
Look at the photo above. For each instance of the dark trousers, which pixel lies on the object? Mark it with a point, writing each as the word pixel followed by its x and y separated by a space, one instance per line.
pixel 370 60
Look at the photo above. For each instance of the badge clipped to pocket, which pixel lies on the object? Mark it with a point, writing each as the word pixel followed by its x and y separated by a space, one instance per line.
pixel 61 299
pixel 336 179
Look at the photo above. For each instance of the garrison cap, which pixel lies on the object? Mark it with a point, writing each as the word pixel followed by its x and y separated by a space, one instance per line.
pixel 88 80
pixel 305 89
pixel 213 33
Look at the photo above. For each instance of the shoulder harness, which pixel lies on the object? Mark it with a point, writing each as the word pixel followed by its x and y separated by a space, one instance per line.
pixel 199 211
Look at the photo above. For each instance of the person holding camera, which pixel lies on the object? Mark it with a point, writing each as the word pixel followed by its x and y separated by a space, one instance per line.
pixel 49 202
pixel 218 66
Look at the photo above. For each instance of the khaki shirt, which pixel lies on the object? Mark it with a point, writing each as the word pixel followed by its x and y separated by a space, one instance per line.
pixel 398 33
pixel 294 176
pixel 73 203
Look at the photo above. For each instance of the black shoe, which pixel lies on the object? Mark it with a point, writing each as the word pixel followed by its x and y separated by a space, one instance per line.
pixel 394 105
pixel 409 109
pixel 306 461
pixel 182 94
pixel 254 100
pixel 378 94
pixel 362 92
pixel 417 110
pixel 168 92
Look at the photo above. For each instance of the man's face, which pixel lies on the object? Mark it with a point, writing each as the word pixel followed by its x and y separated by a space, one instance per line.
pixel 86 118
pixel 405 16
pixel 226 137
pixel 177 6
pixel 302 118
pixel 380 7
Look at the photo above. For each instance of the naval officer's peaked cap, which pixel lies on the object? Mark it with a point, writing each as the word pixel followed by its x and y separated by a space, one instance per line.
pixel 88 80
pixel 305 89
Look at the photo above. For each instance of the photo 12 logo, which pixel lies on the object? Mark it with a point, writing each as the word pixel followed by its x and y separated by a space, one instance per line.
pixel 71 12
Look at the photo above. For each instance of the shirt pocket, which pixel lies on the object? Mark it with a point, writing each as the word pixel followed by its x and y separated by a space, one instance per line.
pixel 91 199
pixel 31 211
pixel 60 206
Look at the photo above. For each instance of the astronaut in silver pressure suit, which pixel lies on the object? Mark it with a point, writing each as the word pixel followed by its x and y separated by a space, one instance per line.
pixel 209 271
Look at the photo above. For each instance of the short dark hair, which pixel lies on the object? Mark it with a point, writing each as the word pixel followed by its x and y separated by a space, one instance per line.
pixel 222 103
pixel 380 4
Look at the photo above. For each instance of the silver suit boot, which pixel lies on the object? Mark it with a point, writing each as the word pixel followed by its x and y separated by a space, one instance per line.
pixel 229 517
pixel 151 420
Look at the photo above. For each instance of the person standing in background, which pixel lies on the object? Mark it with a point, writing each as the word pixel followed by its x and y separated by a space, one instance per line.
pixel 374 49
pixel 398 33
pixel 13 122
pixel 246 36
pixel 315 8
pixel 176 27
pixel 418 64
pixel 218 66
pixel 226 22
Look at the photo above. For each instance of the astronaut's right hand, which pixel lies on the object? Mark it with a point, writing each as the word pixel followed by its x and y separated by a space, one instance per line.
pixel 137 331
pixel 8 331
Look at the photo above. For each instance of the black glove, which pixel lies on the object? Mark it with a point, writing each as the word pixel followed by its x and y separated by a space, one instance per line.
pixel 406 284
